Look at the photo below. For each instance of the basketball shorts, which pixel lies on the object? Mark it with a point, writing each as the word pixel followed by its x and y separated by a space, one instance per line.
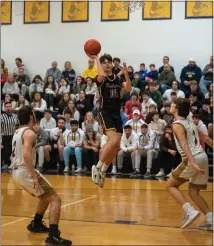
pixel 185 172
pixel 22 177
pixel 111 121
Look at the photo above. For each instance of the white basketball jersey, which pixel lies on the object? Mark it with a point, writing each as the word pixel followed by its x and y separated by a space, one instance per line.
pixel 17 149
pixel 192 138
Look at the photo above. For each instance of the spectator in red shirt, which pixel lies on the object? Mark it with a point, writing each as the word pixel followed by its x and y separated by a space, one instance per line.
pixel 133 101
pixel 4 77
pixel 135 107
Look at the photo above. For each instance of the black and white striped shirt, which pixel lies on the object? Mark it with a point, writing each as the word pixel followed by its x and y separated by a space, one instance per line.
pixel 8 124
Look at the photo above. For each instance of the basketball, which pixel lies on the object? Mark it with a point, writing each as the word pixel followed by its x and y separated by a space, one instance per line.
pixel 92 47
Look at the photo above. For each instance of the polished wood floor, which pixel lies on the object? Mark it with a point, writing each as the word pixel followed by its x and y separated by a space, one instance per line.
pixel 125 212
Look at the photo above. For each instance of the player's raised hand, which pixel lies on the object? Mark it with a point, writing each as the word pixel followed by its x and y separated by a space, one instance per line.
pixel 124 69
pixel 197 168
pixel 92 56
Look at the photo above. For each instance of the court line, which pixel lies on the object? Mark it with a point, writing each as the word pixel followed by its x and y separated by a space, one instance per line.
pixel 112 223
pixel 66 205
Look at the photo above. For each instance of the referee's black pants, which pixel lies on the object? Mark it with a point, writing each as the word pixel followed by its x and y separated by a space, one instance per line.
pixel 7 148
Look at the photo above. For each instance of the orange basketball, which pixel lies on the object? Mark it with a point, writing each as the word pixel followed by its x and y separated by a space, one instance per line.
pixel 92 47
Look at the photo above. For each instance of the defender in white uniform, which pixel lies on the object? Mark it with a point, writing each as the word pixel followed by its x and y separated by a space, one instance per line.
pixel 24 174
pixel 194 165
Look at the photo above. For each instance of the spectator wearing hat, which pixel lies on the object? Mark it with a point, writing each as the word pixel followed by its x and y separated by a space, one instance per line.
pixel 73 146
pixel 135 107
pixel 134 100
pixel 128 144
pixel 175 88
pixel 166 78
pixel 207 77
pixel 145 147
pixel 136 122
pixel 189 73
pixel 91 143
pixel 154 93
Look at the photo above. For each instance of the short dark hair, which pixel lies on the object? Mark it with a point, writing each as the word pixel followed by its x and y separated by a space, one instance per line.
pixel 153 83
pixel 166 57
pixel 183 107
pixel 142 64
pixel 134 94
pixel 7 103
pixel 61 118
pixel 48 111
pixel 24 114
pixel 135 105
pixel 194 94
pixel 196 116
pixel 105 57
pixel 116 59
pixel 18 59
pixel 206 101
pixel 145 93
pixel 152 65
pixel 173 94
pixel 136 73
pixel 144 126
pixel 67 111
pixel 74 122
pixel 155 113
pixel 127 127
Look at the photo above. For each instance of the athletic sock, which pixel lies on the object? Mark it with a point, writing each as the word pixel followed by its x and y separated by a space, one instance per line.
pixel 162 170
pixel 148 170
pixel 54 232
pixel 104 168
pixel 99 164
pixel 187 207
pixel 209 217
pixel 138 170
pixel 114 168
pixel 38 218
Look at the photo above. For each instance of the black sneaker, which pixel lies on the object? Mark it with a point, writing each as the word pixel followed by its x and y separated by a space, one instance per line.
pixel 57 241
pixel 147 175
pixel 37 228
pixel 135 174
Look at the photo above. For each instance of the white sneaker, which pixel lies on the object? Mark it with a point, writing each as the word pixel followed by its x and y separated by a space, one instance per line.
pixel 78 170
pixel 190 217
pixel 114 171
pixel 160 174
pixel 169 175
pixel 66 169
pixel 101 181
pixel 95 174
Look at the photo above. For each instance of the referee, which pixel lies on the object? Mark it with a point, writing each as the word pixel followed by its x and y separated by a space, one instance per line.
pixel 9 122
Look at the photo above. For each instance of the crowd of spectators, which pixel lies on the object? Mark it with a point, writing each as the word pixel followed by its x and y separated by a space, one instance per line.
pixel 67 104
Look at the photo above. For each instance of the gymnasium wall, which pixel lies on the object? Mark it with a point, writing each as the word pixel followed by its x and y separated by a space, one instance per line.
pixel 134 41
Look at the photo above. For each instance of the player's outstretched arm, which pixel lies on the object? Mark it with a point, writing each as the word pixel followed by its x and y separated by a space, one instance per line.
pixel 181 136
pixel 205 138
pixel 29 139
pixel 127 85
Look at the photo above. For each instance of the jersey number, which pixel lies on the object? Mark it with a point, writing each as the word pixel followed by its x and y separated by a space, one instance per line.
pixel 14 149
pixel 113 93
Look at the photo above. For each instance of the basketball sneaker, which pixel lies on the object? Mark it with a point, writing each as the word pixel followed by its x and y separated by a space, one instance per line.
pixel 101 181
pixel 190 216
pixel 37 227
pixel 95 174
pixel 206 227
pixel 54 241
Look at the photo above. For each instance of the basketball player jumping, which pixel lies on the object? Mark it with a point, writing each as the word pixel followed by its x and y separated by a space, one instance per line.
pixel 24 174
pixel 109 87
pixel 194 165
